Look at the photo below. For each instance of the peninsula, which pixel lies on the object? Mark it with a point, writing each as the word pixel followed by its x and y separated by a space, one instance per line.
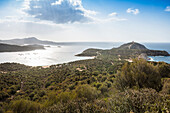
pixel 16 48
pixel 125 51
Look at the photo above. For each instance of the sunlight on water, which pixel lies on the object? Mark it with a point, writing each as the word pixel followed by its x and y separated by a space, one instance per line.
pixel 52 55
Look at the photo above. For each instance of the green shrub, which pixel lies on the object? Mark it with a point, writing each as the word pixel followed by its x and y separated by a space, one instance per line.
pixel 86 92
pixel 139 74
pixel 3 95
pixel 103 88
pixel 166 86
pixel 25 106
pixel 95 73
pixel 77 106
pixel 52 99
pixel 97 85
pixel 1 110
pixel 64 97
pixel 138 101
pixel 41 93
pixel 164 69
pixel 146 100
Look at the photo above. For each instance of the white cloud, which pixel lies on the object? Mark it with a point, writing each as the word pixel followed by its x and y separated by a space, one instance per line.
pixel 167 8
pixel 113 14
pixel 58 11
pixel 57 2
pixel 133 11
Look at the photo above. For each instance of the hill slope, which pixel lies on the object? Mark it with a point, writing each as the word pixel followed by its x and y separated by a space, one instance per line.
pixel 132 45
pixel 16 48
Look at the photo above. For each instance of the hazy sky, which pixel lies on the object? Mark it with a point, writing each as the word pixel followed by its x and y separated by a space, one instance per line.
pixel 86 20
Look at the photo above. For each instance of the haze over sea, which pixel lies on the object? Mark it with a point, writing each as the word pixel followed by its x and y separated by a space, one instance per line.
pixel 64 54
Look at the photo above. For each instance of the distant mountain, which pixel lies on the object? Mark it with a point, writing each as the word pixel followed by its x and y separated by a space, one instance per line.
pixel 30 41
pixel 16 48
pixel 133 45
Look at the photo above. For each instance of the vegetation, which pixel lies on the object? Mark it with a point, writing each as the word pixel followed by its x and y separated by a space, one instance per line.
pixel 125 51
pixel 139 75
pixel 102 85
pixel 16 48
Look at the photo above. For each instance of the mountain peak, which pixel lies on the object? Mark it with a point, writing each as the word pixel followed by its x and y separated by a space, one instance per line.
pixel 132 45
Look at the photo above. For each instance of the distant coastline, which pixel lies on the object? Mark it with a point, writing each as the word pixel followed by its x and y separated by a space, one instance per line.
pixel 17 48
pixel 55 55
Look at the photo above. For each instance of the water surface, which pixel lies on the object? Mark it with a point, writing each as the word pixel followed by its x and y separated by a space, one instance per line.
pixel 66 53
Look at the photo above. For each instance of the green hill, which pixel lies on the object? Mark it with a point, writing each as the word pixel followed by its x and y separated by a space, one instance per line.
pixel 16 48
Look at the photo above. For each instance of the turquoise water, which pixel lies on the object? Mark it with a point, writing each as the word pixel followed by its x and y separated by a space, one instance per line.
pixel 160 58
pixel 159 46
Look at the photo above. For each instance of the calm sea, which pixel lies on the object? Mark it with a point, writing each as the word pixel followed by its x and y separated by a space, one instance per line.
pixel 159 46
pixel 56 55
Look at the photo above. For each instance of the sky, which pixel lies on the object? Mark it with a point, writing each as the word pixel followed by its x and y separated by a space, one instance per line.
pixel 86 20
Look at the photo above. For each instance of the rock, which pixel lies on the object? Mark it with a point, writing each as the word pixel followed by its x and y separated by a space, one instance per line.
pixel 143 56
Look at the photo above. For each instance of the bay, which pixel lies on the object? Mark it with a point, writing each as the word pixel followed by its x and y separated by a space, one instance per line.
pixel 66 53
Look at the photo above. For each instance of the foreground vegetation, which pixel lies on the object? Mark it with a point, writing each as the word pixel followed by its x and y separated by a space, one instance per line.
pixel 95 85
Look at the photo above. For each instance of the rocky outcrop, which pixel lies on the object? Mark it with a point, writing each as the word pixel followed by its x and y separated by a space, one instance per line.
pixel 143 56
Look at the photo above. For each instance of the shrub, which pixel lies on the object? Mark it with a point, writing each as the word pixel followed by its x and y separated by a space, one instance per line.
pixel 3 95
pixel 77 106
pixel 164 69
pixel 166 86
pixel 86 92
pixel 103 88
pixel 1 110
pixel 97 85
pixel 25 106
pixel 95 73
pixel 52 99
pixel 64 97
pixel 41 93
pixel 139 74
pixel 146 100
pixel 138 101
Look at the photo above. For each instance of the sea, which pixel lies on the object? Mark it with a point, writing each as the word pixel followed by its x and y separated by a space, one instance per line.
pixel 66 53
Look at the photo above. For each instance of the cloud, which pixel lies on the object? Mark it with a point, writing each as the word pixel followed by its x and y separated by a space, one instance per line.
pixel 113 14
pixel 133 11
pixel 58 11
pixel 167 8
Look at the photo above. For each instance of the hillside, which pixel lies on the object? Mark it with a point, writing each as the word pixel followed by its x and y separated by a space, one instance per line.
pixel 90 86
pixel 16 48
pixel 105 84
